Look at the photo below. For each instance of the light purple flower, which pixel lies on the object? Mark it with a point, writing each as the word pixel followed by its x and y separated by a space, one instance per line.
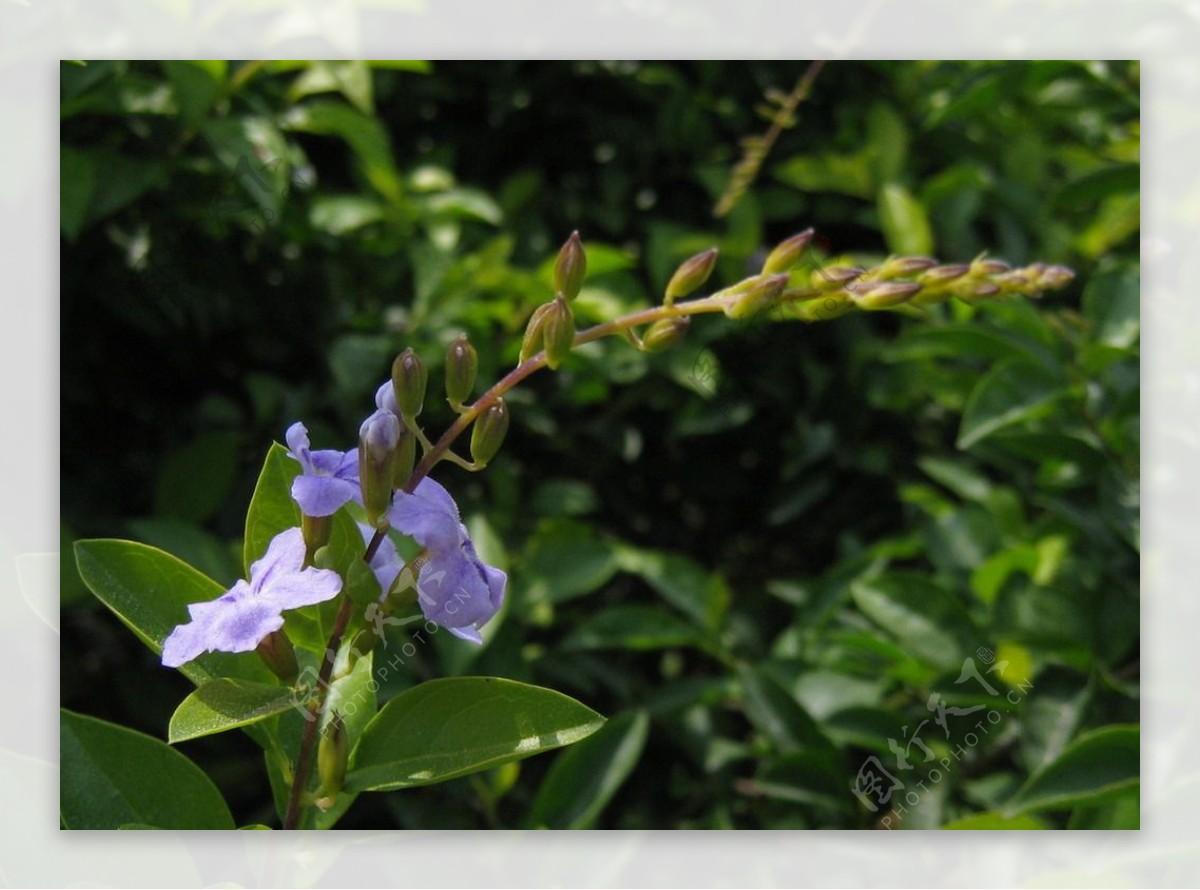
pixel 386 563
pixel 330 478
pixel 385 398
pixel 240 618
pixel 455 588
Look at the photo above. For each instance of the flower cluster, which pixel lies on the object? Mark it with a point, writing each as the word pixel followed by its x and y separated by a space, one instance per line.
pixel 455 589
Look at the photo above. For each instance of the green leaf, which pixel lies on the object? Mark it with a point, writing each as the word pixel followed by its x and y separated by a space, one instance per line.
pixel 1112 302
pixel 904 222
pixel 1009 394
pixel 1122 813
pixel 633 627
pixel 149 591
pixel 197 84
pixel 777 714
pixel 195 480
pixel 565 559
pixel 924 617
pixel 1098 766
pixel 77 178
pixel 584 779
pixel 685 584
pixel 224 704
pixel 995 822
pixel 341 214
pixel 350 78
pixel 450 727
pixel 112 776
pixel 365 135
pixel 272 509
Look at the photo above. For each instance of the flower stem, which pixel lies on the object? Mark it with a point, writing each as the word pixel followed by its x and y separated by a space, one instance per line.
pixel 307 742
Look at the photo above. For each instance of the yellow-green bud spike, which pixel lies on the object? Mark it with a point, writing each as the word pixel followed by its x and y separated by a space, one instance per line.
pixel 558 332
pixel 787 253
pixel 570 267
pixel 462 364
pixel 834 277
pixel 665 333
pixel 884 295
pixel 757 297
pixel 409 379
pixel 378 442
pixel 691 274
pixel 532 343
pixel 333 753
pixel 488 433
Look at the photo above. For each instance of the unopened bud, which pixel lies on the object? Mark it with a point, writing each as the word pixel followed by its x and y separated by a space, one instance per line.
pixel 665 333
pixel 900 266
pixel 982 266
pixel 834 277
pixel 558 332
pixel 824 308
pixel 787 253
pixel 757 297
pixel 333 753
pixel 275 649
pixel 316 531
pixel 1056 277
pixel 409 379
pixel 405 459
pixel 488 432
pixel 691 274
pixel 462 363
pixel 570 267
pixel 969 293
pixel 532 343
pixel 378 442
pixel 884 295
pixel 943 274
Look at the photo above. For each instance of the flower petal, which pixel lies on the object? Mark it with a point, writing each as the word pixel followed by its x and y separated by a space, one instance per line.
pixel 453 592
pixel 297 440
pixel 428 515
pixel 322 495
pixel 327 461
pixel 235 622
pixel 385 398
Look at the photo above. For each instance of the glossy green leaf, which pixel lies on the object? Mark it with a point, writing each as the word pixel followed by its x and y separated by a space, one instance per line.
pixel 450 727
pixel 995 822
pixel 1121 813
pixel 1010 393
pixel 366 136
pixel 926 619
pixel 149 590
pixel 224 704
pixel 112 776
pixel 682 582
pixel 777 714
pixel 1099 765
pixel 584 778
pixel 197 85
pixel 1112 302
pixel 272 509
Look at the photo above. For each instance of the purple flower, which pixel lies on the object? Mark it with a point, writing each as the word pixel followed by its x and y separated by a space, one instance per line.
pixel 240 618
pixel 385 398
pixel 386 563
pixel 455 589
pixel 330 478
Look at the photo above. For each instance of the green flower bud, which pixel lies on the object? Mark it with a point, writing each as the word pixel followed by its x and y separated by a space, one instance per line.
pixel 757 297
pixel 488 432
pixel 787 253
pixel 825 308
pixel 570 267
pixel 981 266
pixel 406 457
pixel 942 274
pixel 1055 277
pixel 532 344
pixel 970 293
pixel 462 363
pixel 884 295
pixel 316 531
pixel 691 274
pixel 378 443
pixel 558 332
pixel 275 649
pixel 333 753
pixel 834 277
pixel 665 333
pixel 409 379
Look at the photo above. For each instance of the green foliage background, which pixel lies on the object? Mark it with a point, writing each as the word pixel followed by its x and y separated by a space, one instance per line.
pixel 759 555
